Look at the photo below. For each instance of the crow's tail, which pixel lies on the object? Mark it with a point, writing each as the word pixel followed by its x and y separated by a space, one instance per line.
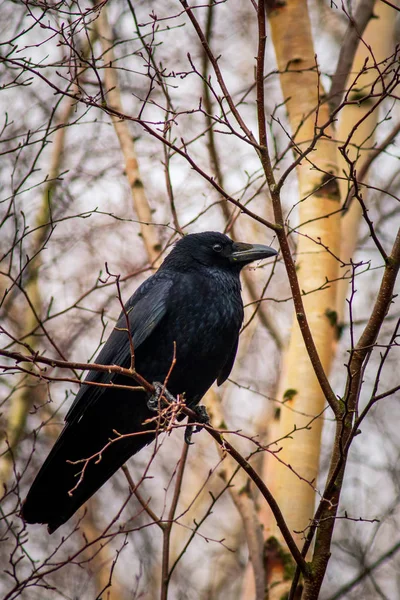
pixel 63 484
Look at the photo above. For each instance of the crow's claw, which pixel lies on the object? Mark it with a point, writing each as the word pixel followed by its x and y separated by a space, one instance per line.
pixel 188 435
pixel 161 397
pixel 201 417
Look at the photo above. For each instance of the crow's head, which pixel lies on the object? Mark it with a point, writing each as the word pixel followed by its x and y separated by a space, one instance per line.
pixel 214 249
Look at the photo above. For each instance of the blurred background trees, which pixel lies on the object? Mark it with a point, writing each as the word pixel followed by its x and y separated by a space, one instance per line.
pixel 125 125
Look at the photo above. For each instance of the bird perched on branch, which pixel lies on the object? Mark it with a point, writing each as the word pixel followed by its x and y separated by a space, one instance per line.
pixel 190 312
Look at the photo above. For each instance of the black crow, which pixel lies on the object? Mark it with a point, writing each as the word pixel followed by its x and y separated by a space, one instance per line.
pixel 191 308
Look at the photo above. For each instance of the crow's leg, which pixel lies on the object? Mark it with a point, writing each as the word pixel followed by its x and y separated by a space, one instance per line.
pixel 201 417
pixel 155 401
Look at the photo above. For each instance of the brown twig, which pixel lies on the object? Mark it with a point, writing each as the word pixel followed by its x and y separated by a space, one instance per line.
pixel 145 504
pixel 165 574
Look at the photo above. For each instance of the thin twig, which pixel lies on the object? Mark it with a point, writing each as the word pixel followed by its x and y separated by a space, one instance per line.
pixel 165 575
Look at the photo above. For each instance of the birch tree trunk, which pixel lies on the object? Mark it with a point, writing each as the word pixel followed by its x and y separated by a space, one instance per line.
pixel 318 244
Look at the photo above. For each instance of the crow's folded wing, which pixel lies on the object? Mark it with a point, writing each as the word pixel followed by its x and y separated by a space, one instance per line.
pixel 145 310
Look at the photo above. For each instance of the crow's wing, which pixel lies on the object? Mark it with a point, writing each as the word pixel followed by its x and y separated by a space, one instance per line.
pixel 145 310
pixel 227 368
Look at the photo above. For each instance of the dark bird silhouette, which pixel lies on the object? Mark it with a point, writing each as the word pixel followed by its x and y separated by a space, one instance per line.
pixel 194 301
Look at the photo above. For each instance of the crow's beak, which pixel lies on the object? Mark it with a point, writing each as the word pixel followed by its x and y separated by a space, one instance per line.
pixel 246 253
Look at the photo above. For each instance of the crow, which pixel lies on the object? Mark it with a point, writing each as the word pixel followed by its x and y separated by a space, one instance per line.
pixel 190 309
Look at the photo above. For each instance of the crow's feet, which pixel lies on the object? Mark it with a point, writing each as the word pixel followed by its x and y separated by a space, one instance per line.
pixel 201 417
pixel 161 397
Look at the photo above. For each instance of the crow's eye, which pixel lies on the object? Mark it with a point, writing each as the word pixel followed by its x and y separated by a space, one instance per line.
pixel 217 247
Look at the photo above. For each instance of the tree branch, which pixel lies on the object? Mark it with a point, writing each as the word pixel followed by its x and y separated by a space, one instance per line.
pixel 351 39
